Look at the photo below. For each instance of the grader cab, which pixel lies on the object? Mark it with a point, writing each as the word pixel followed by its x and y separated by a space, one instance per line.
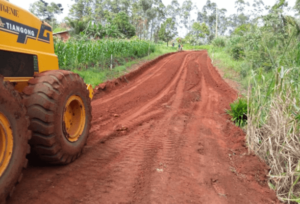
pixel 42 108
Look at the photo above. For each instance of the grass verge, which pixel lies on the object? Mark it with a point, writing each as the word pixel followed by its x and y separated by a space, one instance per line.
pixel 232 69
pixel 273 119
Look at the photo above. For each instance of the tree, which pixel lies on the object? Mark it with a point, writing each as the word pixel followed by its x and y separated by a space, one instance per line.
pixel 241 18
pixel 242 29
pixel 98 31
pixel 155 15
pixel 180 40
pixel 78 25
pixel 152 13
pixel 208 16
pixel 173 9
pixel 121 20
pixel 258 8
pixel 168 30
pixel 186 9
pixel 280 4
pixel 145 15
pixel 81 9
pixel 200 30
pixel 297 6
pixel 190 38
pixel 240 5
pixel 46 11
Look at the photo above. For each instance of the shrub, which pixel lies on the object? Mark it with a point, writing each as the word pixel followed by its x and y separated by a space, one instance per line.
pixel 219 42
pixel 238 112
pixel 237 51
pixel 235 46
pixel 242 29
pixel 297 53
pixel 245 68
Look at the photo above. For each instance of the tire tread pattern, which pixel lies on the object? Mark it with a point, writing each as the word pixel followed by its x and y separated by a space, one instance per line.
pixel 41 97
pixel 23 123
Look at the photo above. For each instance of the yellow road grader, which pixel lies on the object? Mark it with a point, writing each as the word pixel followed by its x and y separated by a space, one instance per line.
pixel 42 108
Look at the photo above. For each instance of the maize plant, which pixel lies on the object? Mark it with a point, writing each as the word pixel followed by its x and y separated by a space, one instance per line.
pixel 81 53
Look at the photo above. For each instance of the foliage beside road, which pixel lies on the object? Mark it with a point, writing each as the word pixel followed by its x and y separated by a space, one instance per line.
pixel 81 54
pixel 265 60
pixel 92 62
pixel 99 72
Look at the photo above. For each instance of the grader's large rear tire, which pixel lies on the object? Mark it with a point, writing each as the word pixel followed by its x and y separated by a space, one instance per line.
pixel 59 108
pixel 14 136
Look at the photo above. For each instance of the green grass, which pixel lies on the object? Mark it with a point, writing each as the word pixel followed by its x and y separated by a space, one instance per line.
pixel 197 47
pixel 272 120
pixel 57 30
pixel 93 76
pixel 233 70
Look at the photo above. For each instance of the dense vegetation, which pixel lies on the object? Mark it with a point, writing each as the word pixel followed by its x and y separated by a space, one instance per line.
pixel 264 53
pixel 106 36
pixel 83 54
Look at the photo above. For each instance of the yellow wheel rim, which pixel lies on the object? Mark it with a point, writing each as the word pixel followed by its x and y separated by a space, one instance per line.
pixel 74 118
pixel 6 143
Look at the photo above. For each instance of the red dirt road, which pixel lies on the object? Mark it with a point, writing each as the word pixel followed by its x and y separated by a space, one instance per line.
pixel 159 135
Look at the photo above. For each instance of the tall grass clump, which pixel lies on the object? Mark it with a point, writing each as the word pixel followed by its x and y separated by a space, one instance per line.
pixel 219 41
pixel 273 131
pixel 273 128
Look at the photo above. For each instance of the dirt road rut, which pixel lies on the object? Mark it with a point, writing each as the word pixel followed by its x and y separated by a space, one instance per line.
pixel 159 135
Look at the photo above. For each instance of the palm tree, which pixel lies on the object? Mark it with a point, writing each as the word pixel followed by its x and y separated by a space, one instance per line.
pixel 78 26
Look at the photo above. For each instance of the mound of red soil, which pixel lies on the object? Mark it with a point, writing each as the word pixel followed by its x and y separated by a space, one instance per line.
pixel 108 86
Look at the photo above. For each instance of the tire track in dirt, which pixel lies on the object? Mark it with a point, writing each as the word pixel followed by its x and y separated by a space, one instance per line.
pixel 143 100
pixel 138 82
pixel 178 145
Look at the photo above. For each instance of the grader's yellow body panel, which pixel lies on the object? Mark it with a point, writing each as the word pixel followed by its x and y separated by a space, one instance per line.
pixel 23 32
pixel 53 111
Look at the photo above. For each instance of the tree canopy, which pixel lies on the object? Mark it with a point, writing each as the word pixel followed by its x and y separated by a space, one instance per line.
pixel 46 11
pixel 168 30
pixel 121 20
pixel 153 20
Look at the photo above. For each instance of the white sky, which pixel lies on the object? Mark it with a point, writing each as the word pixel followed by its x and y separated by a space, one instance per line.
pixel 66 4
pixel 227 4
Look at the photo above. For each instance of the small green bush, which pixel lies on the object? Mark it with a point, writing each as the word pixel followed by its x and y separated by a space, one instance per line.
pixel 237 51
pixel 245 69
pixel 235 46
pixel 238 112
pixel 297 53
pixel 242 29
pixel 219 42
